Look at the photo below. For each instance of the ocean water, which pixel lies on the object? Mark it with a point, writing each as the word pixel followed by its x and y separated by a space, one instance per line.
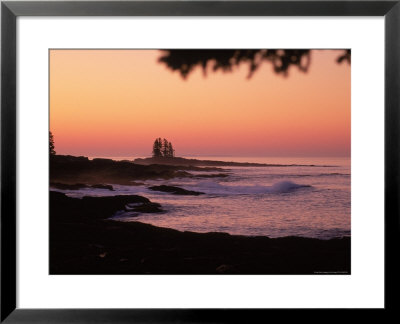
pixel 307 197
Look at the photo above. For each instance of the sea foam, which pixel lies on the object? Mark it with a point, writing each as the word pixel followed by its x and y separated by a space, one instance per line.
pixel 215 188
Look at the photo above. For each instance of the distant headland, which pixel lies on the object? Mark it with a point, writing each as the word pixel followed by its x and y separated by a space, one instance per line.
pixel 181 161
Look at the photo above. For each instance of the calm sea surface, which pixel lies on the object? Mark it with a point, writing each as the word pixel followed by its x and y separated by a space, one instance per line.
pixel 301 200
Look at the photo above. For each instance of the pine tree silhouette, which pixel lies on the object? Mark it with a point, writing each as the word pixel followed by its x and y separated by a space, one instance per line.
pixel 52 147
pixel 162 148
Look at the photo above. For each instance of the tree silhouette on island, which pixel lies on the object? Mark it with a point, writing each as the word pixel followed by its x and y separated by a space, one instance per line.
pixel 162 148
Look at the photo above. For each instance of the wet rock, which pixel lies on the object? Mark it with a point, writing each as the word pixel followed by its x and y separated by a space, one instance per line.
pixel 103 186
pixel 176 190
pixel 214 175
pixel 77 186
pixel 66 186
pixel 70 209
pixel 148 207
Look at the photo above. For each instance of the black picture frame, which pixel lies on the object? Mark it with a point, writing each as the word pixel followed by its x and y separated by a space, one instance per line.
pixel 11 10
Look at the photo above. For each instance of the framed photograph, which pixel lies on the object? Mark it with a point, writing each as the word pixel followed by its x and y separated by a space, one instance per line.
pixel 218 172
pixel 198 161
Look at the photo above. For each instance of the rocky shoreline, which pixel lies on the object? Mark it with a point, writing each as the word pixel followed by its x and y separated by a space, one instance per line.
pixel 84 240
pixel 176 190
pixel 180 161
pixel 79 170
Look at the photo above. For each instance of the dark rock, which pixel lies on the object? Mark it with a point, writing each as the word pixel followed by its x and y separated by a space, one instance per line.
pixel 67 209
pixel 175 190
pixel 216 175
pixel 149 208
pixel 66 186
pixel 210 163
pixel 68 158
pixel 103 186
pixel 71 170
pixel 146 207
pixel 80 230
pixel 77 186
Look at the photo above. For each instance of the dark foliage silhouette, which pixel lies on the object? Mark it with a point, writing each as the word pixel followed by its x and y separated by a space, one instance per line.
pixel 162 148
pixel 157 147
pixel 51 142
pixel 185 61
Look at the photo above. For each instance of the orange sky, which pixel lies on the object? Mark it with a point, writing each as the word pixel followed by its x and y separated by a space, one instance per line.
pixel 116 102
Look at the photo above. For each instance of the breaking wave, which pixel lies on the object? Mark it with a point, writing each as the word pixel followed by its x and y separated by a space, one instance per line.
pixel 214 188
